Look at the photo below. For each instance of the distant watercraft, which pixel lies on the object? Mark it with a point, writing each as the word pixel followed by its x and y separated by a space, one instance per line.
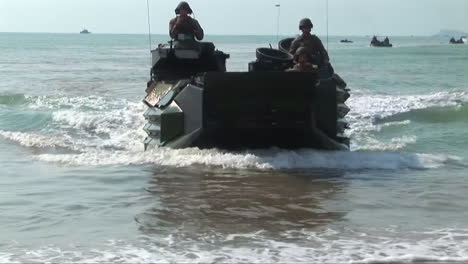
pixel 84 31
pixel 460 41
pixel 346 41
pixel 377 43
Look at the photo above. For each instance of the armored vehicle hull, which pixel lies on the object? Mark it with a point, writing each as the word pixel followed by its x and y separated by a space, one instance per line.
pixel 193 102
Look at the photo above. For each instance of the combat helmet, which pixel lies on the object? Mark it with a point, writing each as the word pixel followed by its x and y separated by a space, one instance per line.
pixel 301 51
pixel 183 5
pixel 305 23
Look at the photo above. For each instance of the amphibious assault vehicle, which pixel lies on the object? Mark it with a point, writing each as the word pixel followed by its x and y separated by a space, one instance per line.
pixel 193 102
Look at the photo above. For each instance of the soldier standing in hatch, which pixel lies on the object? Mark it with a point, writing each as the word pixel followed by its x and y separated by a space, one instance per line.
pixel 184 23
pixel 311 43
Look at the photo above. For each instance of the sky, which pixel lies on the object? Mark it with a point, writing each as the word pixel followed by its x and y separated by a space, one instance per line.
pixel 238 17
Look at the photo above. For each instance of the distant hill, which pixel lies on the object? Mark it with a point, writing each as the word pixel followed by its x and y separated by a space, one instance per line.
pixel 450 33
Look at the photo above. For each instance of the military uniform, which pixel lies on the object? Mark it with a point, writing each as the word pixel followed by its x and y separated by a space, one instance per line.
pixel 313 45
pixel 189 26
pixel 306 67
pixel 185 24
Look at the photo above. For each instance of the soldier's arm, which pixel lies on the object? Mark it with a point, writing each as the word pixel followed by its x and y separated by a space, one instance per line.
pixel 172 26
pixel 323 51
pixel 199 34
pixel 294 46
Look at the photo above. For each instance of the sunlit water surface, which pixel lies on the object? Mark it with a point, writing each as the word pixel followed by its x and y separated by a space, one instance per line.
pixel 76 185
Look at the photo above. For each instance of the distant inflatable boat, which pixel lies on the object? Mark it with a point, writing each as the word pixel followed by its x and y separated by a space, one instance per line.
pixel 377 43
pixel 459 41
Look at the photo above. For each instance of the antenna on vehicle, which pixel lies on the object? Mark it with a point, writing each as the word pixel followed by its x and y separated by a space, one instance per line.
pixel 327 25
pixel 278 21
pixel 149 24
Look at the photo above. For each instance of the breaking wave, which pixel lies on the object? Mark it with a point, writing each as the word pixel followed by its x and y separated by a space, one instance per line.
pixel 266 159
pixel 99 131
pixel 370 113
pixel 327 246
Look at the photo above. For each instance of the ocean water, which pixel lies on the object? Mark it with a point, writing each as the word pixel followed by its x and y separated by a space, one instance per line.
pixel 76 185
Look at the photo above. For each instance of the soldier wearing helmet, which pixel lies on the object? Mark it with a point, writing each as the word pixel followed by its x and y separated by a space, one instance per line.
pixel 183 23
pixel 302 61
pixel 310 42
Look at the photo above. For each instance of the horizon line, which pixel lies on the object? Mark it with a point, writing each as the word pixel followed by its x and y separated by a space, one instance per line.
pixel 217 34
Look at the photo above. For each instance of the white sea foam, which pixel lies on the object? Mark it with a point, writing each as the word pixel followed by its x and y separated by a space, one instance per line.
pixel 372 144
pixel 85 124
pixel 367 108
pixel 267 159
pixel 60 102
pixel 375 106
pixel 123 146
pixel 107 132
pixel 35 140
pixel 327 246
pixel 117 128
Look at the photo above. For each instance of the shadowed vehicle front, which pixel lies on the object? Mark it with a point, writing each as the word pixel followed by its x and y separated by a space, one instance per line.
pixel 193 102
